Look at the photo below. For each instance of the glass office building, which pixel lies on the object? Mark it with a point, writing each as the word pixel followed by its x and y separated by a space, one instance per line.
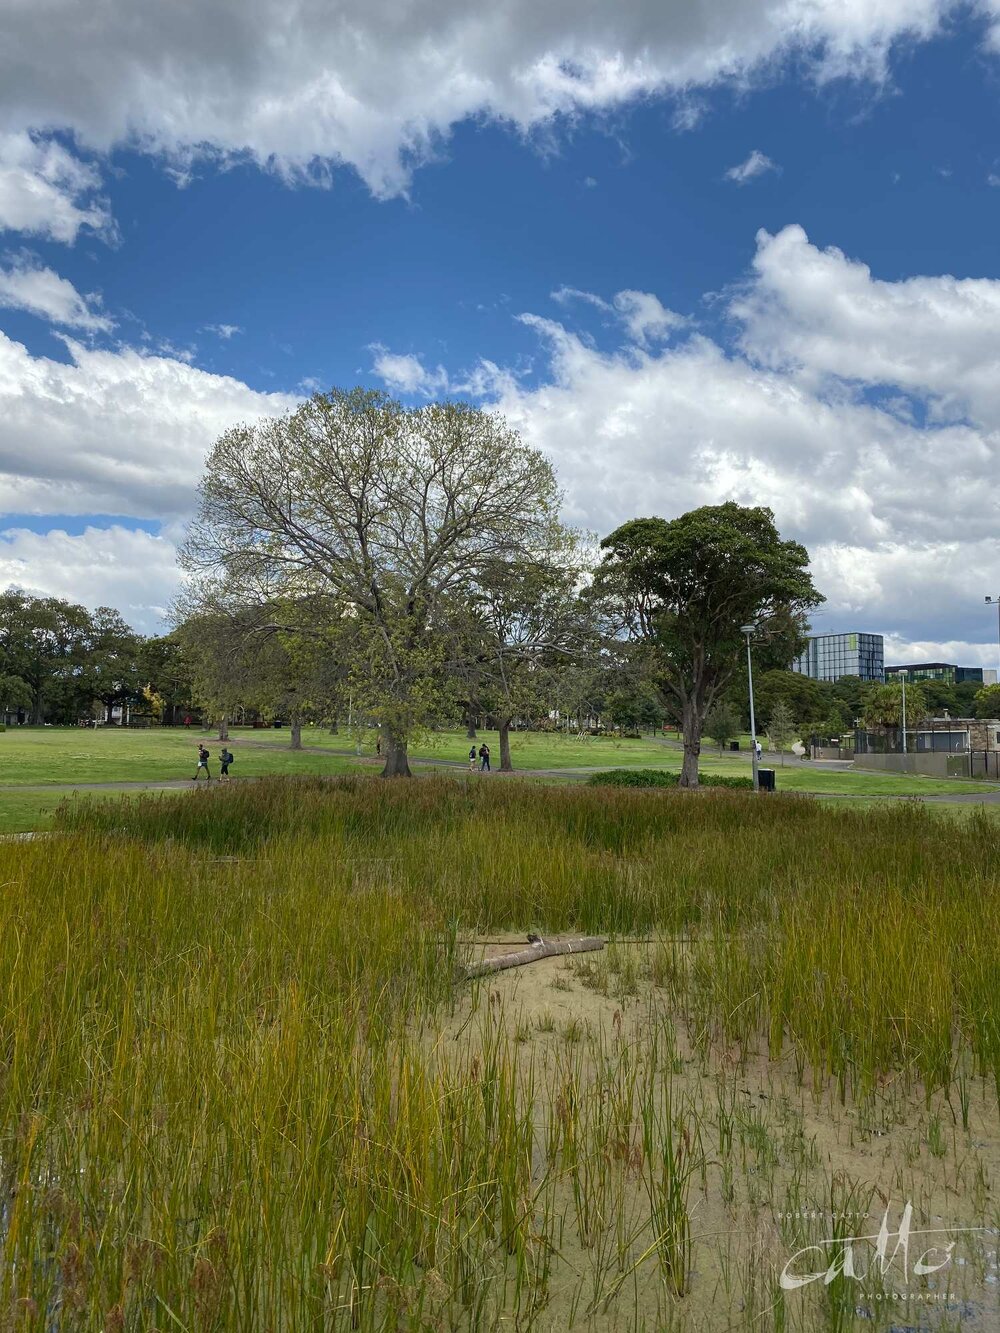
pixel 946 671
pixel 830 656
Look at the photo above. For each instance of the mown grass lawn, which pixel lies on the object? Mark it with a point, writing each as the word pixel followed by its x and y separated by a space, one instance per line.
pixel 42 755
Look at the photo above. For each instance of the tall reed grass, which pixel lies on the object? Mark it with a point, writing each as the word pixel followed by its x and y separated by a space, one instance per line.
pixel 225 1103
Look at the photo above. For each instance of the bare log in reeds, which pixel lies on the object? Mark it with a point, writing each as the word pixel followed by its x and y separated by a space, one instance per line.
pixel 538 948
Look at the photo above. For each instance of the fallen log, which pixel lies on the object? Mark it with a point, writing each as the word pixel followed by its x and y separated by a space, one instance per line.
pixel 537 948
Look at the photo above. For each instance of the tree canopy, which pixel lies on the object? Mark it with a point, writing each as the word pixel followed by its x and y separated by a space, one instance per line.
pixel 392 512
pixel 685 588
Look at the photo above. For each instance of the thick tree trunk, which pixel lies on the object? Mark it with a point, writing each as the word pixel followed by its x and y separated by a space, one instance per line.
pixel 296 742
pixel 691 730
pixel 223 728
pixel 396 761
pixel 504 728
pixel 470 727
pixel 335 727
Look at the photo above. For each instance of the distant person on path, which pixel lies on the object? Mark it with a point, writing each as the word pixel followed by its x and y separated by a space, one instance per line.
pixel 484 758
pixel 203 757
pixel 472 759
pixel 758 749
pixel 225 759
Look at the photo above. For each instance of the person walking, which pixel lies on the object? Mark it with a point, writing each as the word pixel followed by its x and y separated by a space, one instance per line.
pixel 759 749
pixel 225 759
pixel 472 759
pixel 484 758
pixel 203 758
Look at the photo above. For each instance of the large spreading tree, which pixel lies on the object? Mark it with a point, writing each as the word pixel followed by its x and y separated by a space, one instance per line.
pixel 683 590
pixel 392 513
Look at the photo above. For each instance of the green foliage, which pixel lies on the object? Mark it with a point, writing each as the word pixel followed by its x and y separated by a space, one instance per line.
pixel 804 696
pixel 988 701
pixel 656 777
pixel 685 588
pixel 56 658
pixel 781 729
pixel 393 515
pixel 722 724
pixel 884 705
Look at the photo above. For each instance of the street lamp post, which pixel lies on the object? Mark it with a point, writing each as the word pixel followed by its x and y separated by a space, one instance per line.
pixel 995 601
pixel 748 630
pixel 903 682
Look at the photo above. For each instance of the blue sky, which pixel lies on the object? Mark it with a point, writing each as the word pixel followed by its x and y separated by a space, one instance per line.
pixel 755 258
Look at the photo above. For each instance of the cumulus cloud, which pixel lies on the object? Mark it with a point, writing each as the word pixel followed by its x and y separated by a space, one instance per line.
pixel 898 509
pixel 26 284
pixel 407 374
pixel 862 411
pixel 299 85
pixel 819 312
pixel 757 164
pixel 116 566
pixel 112 432
pixel 644 316
pixel 46 191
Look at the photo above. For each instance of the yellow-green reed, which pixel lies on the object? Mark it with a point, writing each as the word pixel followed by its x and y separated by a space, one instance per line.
pixel 225 1104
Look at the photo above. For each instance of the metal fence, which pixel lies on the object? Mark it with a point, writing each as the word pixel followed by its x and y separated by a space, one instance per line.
pixel 985 764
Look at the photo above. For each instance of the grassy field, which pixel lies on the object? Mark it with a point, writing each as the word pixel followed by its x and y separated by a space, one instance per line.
pixel 534 752
pixel 36 758
pixel 243 1090
pixel 41 755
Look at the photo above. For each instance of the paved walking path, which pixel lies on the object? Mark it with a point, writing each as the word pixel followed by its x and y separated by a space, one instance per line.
pixel 964 795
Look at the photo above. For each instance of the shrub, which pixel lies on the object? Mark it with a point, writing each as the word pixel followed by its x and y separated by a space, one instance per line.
pixel 656 777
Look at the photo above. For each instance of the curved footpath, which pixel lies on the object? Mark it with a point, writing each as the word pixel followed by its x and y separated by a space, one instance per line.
pixel 961 796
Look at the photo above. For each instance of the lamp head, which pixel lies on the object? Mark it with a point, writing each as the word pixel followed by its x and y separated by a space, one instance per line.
pixel 747 629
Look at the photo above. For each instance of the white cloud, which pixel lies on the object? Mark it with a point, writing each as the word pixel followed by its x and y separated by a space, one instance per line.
pixel 407 374
pixel 819 313
pixel 839 409
pixel 645 318
pixel 223 331
pixel 25 284
pixel 899 512
pixel 116 566
pixel 46 191
pixel 757 164
pixel 378 85
pixel 112 432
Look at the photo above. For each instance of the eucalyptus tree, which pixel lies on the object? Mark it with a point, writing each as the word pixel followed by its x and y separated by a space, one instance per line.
pixel 392 513
pixel 685 588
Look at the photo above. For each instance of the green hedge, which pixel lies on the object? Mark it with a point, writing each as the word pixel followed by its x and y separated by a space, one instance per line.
pixel 656 777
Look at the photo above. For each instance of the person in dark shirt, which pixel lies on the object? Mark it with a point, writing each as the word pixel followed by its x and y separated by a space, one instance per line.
pixel 484 758
pixel 203 757
pixel 225 759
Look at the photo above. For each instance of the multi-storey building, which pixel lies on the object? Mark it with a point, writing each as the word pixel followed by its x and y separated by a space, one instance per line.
pixel 947 672
pixel 830 656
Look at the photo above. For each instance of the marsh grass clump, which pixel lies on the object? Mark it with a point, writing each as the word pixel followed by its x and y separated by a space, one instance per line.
pixel 239 1089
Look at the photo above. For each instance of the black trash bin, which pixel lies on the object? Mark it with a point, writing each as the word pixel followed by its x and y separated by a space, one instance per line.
pixel 765 778
pixel 734 745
